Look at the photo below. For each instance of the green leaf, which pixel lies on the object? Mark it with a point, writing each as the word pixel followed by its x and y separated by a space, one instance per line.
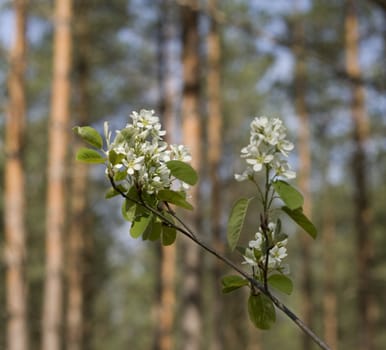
pixel 182 171
pixel 87 155
pixel 168 235
pixel 140 224
pixel 89 135
pixel 291 197
pixel 298 216
pixel 281 283
pixel 128 210
pixel 232 282
pixel 112 192
pixel 261 311
pixel 236 221
pixel 115 158
pixel 120 176
pixel 173 197
pixel 153 231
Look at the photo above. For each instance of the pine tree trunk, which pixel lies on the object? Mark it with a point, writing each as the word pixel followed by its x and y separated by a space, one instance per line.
pixel 191 314
pixel 56 177
pixel 362 214
pixel 14 190
pixel 214 156
pixel 329 296
pixel 304 175
pixel 167 271
pixel 78 223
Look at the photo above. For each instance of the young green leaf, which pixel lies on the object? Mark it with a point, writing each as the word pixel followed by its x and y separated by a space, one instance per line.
pixel 232 282
pixel 291 197
pixel 182 171
pixel 87 155
pixel 128 210
pixel 114 157
pixel 168 235
pixel 281 283
pixel 140 224
pixel 89 135
pixel 298 216
pixel 236 221
pixel 174 197
pixel 261 311
pixel 112 192
pixel 153 230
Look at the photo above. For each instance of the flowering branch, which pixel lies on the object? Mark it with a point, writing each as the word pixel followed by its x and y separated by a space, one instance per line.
pixel 151 175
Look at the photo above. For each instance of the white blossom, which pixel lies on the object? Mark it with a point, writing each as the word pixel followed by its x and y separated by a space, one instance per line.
pixel 141 152
pixel 266 149
pixel 256 254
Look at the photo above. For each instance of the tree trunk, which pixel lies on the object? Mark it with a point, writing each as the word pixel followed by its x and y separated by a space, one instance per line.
pixel 56 177
pixel 78 206
pixel 304 174
pixel 191 315
pixel 329 296
pixel 214 156
pixel 167 270
pixel 14 189
pixel 362 214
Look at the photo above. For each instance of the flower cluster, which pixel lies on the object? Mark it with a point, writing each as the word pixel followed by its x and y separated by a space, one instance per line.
pixel 268 148
pixel 270 243
pixel 139 155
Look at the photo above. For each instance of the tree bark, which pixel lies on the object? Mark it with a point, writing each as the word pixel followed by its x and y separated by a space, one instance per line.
pixel 304 174
pixel 191 315
pixel 78 206
pixel 167 271
pixel 214 157
pixel 14 189
pixel 56 178
pixel 362 214
pixel 329 296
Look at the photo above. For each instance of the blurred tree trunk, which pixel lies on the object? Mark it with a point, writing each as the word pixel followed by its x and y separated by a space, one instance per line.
pixel 56 178
pixel 304 173
pixel 79 174
pixel 329 296
pixel 191 313
pixel 362 215
pixel 14 189
pixel 167 254
pixel 214 156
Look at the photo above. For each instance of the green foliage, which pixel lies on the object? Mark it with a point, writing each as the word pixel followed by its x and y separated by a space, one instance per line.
pixel 183 171
pixel 174 197
pixel 292 198
pixel 298 216
pixel 140 223
pixel 153 231
pixel 281 283
pixel 90 156
pixel 261 311
pixel 236 221
pixel 168 234
pixel 89 135
pixel 232 282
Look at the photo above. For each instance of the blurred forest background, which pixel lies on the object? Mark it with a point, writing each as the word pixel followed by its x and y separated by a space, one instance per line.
pixel 72 278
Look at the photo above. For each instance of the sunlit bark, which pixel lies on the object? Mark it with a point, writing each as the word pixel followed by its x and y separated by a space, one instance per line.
pixel 167 264
pixel 214 155
pixel 56 178
pixel 76 265
pixel 191 316
pixel 14 189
